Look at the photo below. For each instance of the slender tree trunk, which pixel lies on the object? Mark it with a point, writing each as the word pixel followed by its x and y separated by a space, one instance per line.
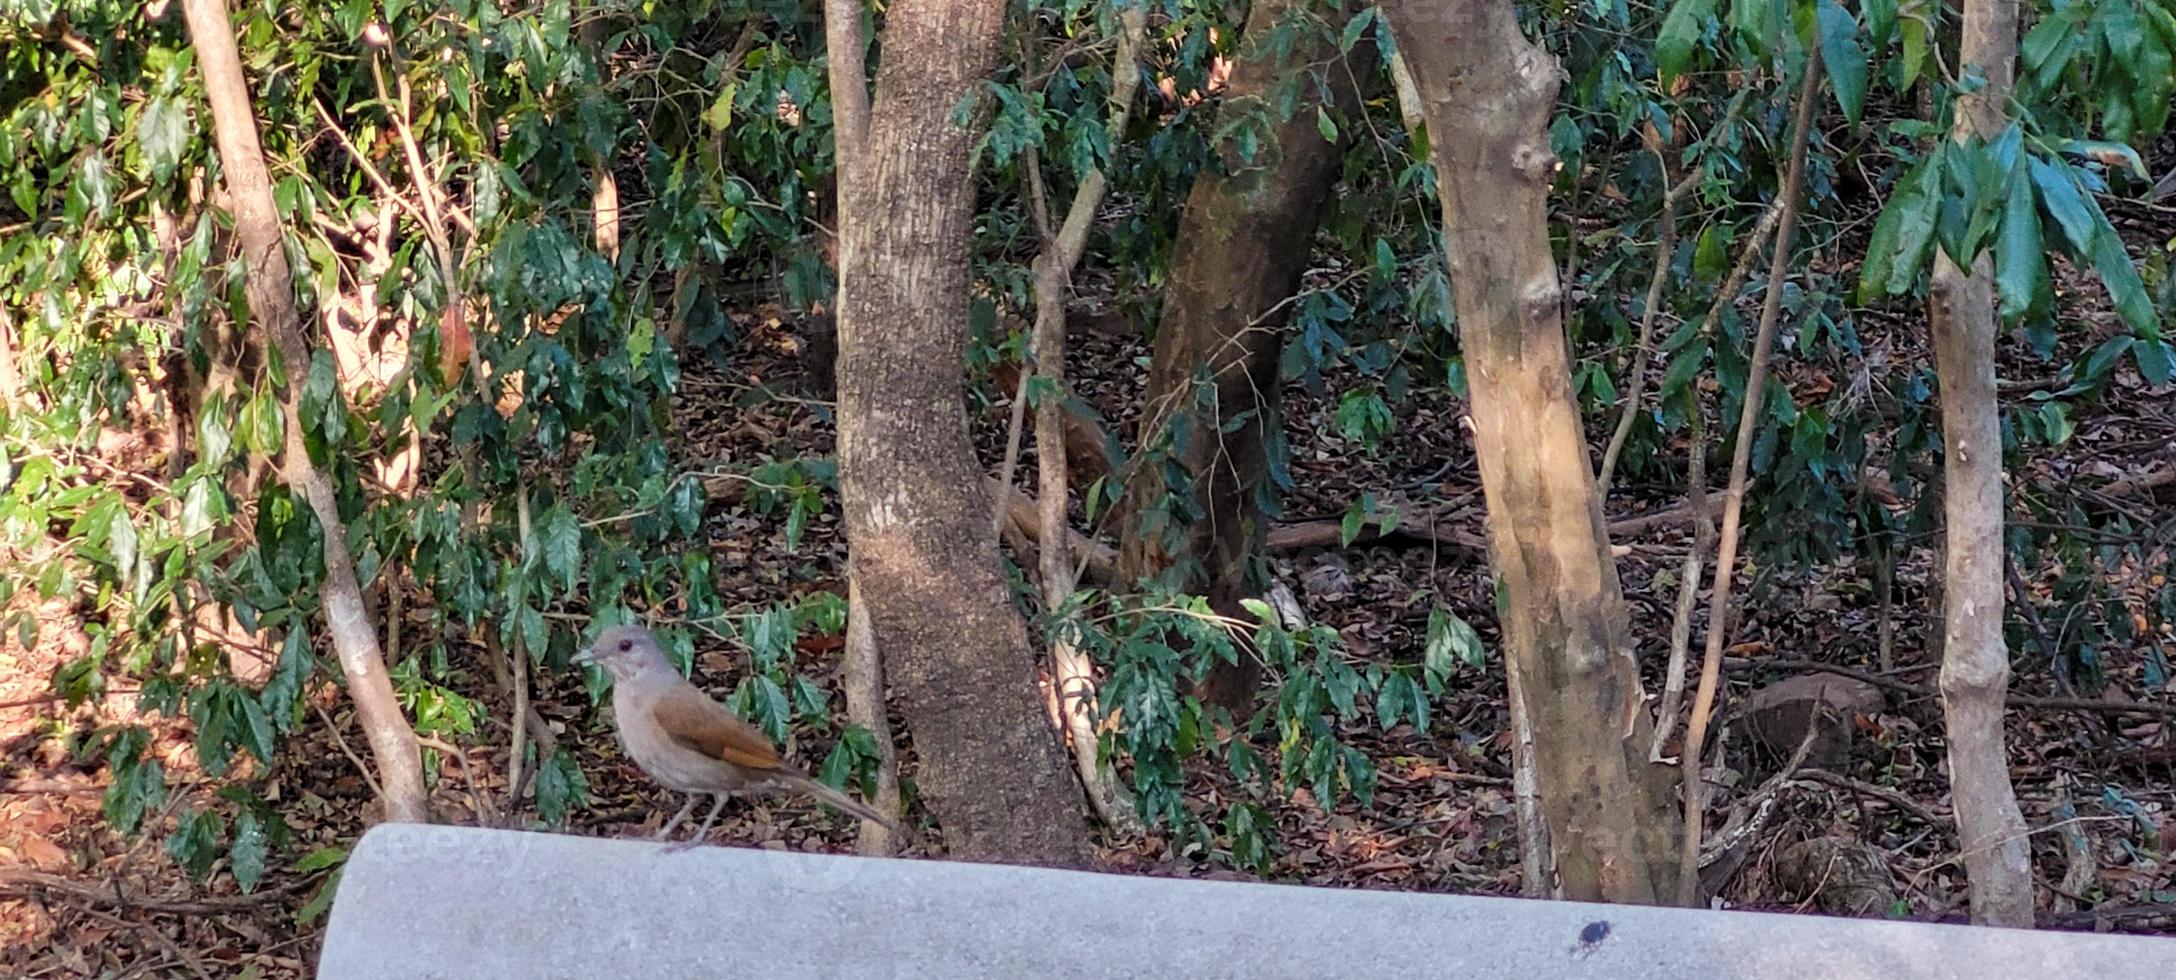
pixel 864 667
pixel 268 285
pixel 604 199
pixel 11 376
pixel 1241 250
pixel 1488 94
pixel 1975 659
pixel 1741 458
pixel 917 513
pixel 1072 673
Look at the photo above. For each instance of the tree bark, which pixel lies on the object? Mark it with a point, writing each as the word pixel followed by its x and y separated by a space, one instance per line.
pixel 1241 249
pixel 864 663
pixel 917 513
pixel 1975 659
pixel 268 284
pixel 1488 94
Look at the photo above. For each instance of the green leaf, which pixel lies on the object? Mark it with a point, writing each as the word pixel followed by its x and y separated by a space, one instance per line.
pixel 1354 28
pixel 255 730
pixel 838 765
pixel 2055 422
pixel 1324 125
pixel 320 902
pixel 2120 25
pixel 1759 23
pixel 720 114
pixel 322 858
pixel 283 690
pixel 560 787
pixel 2121 277
pixel 1355 520
pixel 2103 151
pixel 1451 641
pixel 139 784
pixel 1711 257
pixel 194 844
pixel 1914 33
pixel 246 856
pixel 1917 204
pixel 1881 16
pixel 1681 29
pixel 2068 204
pixel 560 537
pixel 1684 366
pixel 1881 248
pixel 809 701
pixel 861 740
pixel 262 420
pixel 163 133
pixel 2048 48
pixel 2156 361
pixel 641 341
pixel 1843 58
pixel 2020 258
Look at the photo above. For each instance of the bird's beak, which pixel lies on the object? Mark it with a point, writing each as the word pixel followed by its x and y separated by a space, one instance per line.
pixel 586 655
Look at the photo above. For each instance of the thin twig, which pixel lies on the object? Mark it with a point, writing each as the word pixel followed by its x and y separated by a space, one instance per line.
pixel 468 775
pixel 1882 793
pixel 517 758
pixel 1756 381
pixel 1688 586
pixel 16 881
pixel 2101 706
pixel 145 928
pixel 1636 379
pixel 342 741
pixel 1002 506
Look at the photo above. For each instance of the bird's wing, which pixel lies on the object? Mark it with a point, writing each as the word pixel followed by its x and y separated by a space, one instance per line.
pixel 692 719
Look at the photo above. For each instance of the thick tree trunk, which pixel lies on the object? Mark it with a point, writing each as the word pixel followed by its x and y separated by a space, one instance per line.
pixel 1975 659
pixel 1488 94
pixel 917 514
pixel 268 285
pixel 1242 246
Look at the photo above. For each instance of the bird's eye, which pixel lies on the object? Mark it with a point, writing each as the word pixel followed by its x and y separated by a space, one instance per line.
pixel 626 645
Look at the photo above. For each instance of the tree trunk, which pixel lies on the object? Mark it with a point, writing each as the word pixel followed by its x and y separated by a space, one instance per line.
pixel 11 377
pixel 268 284
pixel 1488 93
pixel 1242 246
pixel 917 514
pixel 864 663
pixel 1975 659
pixel 1072 673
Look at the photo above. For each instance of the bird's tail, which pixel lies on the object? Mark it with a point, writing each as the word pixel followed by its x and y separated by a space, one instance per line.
pixel 843 802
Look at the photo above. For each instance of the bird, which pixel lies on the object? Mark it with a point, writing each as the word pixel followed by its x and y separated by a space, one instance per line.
pixel 689 743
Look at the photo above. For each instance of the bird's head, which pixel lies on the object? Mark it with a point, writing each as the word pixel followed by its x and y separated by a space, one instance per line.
pixel 627 653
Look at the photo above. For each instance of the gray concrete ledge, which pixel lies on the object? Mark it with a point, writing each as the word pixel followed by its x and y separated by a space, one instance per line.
pixel 418 901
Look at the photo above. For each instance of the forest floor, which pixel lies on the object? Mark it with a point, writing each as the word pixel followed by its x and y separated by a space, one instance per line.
pixel 2099 788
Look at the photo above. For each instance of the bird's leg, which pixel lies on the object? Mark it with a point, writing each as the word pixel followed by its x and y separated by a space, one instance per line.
pixel 708 819
pixel 685 809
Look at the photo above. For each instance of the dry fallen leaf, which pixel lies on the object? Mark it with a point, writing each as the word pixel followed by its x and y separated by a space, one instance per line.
pixel 42 853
